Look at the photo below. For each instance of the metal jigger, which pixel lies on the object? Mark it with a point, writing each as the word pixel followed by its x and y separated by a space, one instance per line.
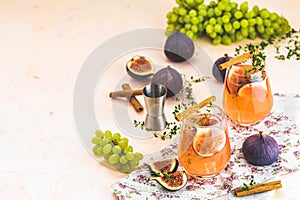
pixel 155 97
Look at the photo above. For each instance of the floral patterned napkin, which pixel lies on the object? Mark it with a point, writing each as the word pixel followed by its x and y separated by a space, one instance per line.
pixel 283 124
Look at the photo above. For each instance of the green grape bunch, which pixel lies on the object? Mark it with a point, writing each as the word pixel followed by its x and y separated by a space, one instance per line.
pixel 116 150
pixel 225 21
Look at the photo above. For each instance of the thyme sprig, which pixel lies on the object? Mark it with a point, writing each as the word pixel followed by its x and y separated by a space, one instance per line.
pixel 246 186
pixel 171 129
pixel 292 49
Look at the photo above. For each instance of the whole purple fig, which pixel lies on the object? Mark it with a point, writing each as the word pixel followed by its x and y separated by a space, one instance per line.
pixel 217 72
pixel 260 149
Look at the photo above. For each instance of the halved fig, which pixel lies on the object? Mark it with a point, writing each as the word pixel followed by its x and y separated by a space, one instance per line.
pixel 172 181
pixel 164 166
pixel 140 67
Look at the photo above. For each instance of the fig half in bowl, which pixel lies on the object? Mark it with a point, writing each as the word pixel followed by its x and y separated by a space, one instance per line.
pixel 139 67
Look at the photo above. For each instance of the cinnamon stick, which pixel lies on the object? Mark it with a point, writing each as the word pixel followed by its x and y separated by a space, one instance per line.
pixel 257 188
pixel 125 93
pixel 235 60
pixel 194 108
pixel 133 100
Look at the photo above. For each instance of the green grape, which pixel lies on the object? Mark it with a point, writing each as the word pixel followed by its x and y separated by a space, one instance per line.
pixel 187 26
pixel 250 14
pixel 193 13
pixel 252 22
pixel 108 133
pixel 233 5
pixel 244 32
pixel 227 27
pixel 114 158
pixel 128 149
pixel 212 21
pixel 187 18
pixel 200 28
pixel 116 149
pixel 99 133
pixel 244 7
pixel 275 26
pixel 107 148
pixel 177 26
pixel 190 2
pixel 194 28
pixel 236 24
pixel 252 35
pixel 176 10
pixel 103 141
pixel 99 151
pixel 218 28
pixel 138 155
pixel 239 36
pixel 202 12
pixel 133 163
pixel 125 167
pixel 219 20
pixel 244 23
pixel 123 159
pixel 264 13
pixel 195 20
pixel 106 155
pixel 221 5
pixel 251 29
pixel 123 143
pixel 274 17
pixel 190 34
pixel 201 18
pixel 256 9
pixel 225 19
pixel 116 137
pixel 182 11
pixel 209 28
pixel 95 148
pixel 260 28
pixel 267 22
pixel 210 12
pixel 264 36
pixel 129 155
pixel 238 14
pixel 232 37
pixel 232 32
pixel 118 166
pixel 269 31
pixel 213 34
pixel 217 11
pixel 181 19
pixel 259 21
pixel 212 4
pixel 228 14
pixel 182 30
pixel 96 140
pixel 195 37
pixel 169 15
pixel 173 18
pixel 202 7
pixel 226 40
pixel 227 7
pixel 217 40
